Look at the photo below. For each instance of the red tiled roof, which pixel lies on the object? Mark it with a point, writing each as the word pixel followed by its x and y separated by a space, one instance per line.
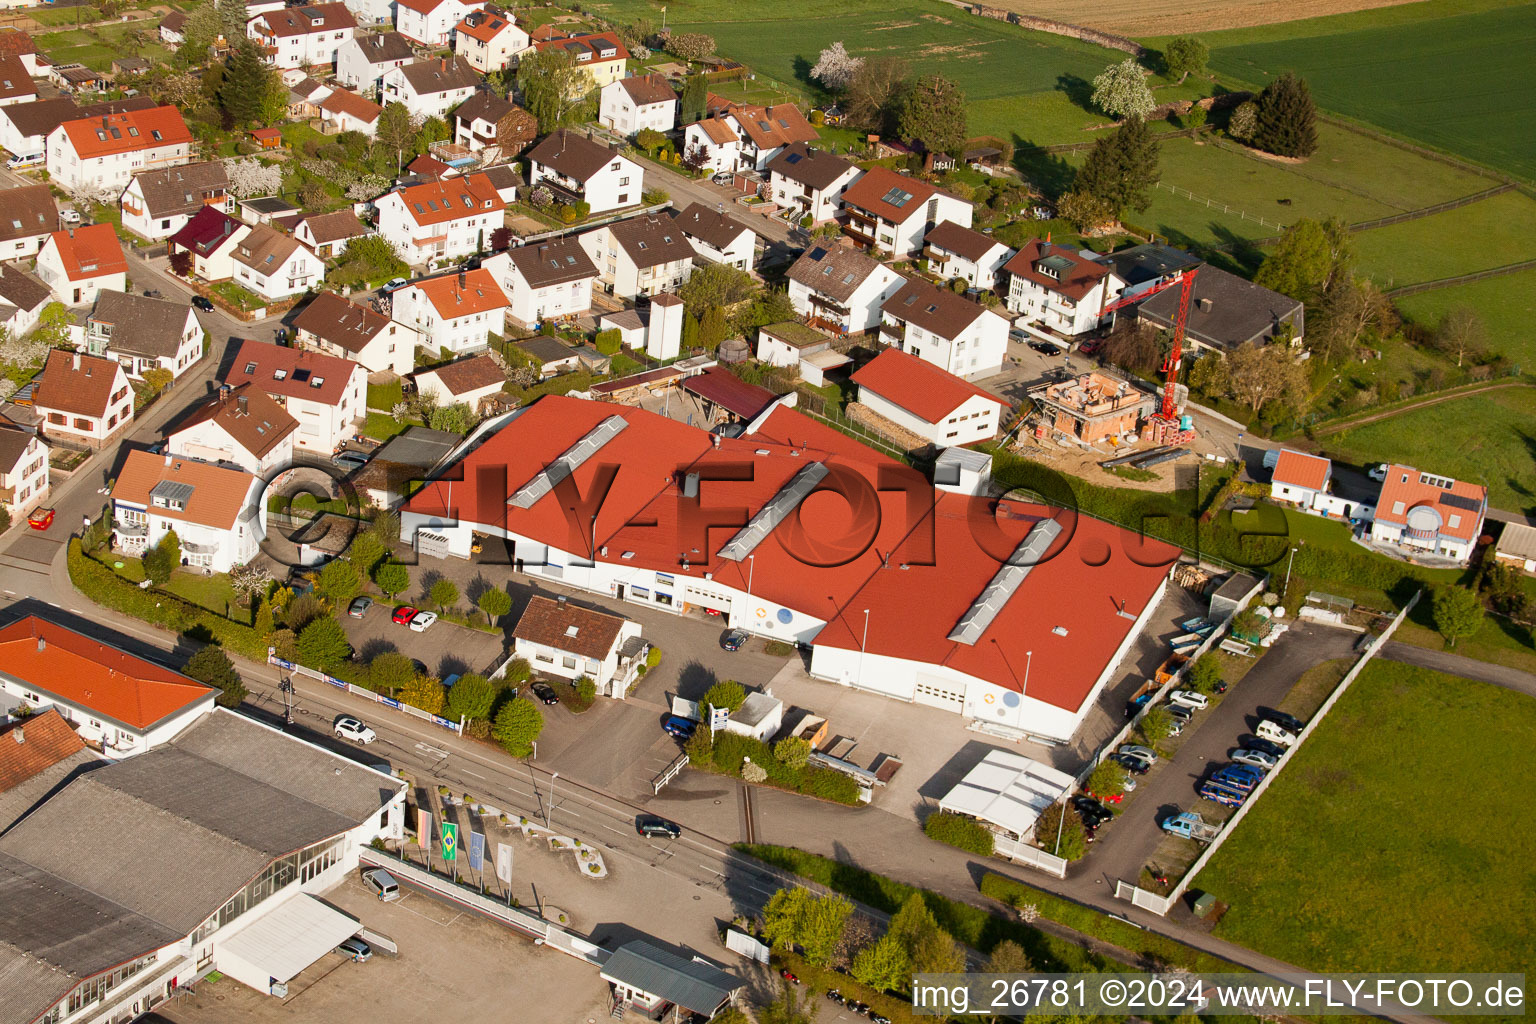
pixel 917 385
pixel 218 492
pixel 93 675
pixel 1301 470
pixel 91 251
pixel 294 372
pixel 263 134
pixel 1077 282
pixel 721 387
pixel 485 25
pixel 37 743
pixel 127 132
pixel 86 391
pixel 479 293
pixel 438 202
pixel 768 127
pixel 1406 489
pixel 300 21
pixel 340 101
pixel 873 193
pixel 592 41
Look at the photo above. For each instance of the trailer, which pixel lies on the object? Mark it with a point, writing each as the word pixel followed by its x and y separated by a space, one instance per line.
pixel 1190 825
pixel 1167 669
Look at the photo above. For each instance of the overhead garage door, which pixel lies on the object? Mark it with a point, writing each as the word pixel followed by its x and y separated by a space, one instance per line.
pixel 940 693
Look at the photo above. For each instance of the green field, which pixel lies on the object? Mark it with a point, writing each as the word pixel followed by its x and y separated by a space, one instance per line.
pixel 1489 233
pixel 1464 83
pixel 1487 439
pixel 97 48
pixel 1389 843
pixel 1507 306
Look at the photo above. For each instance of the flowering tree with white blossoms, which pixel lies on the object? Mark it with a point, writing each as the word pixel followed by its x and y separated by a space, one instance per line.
pixel 250 177
pixel 836 67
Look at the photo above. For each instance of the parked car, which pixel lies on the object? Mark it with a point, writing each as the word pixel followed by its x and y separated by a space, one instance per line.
pixel 1290 723
pixel 349 728
pixel 1190 699
pixel 69 216
pixel 652 827
pixel 677 725
pixel 1272 732
pixel 422 621
pixel 359 607
pixel 1091 811
pixel 836 996
pixel 1245 772
pixel 545 693
pixel 394 284
pixel 1177 725
pixel 382 883
pixel 723 178
pixel 349 461
pixel 1377 471
pixel 1134 765
pixel 1264 746
pixel 355 949
pixel 733 639
pixel 403 615
pixel 1045 348
pixel 1088 348
pixel 1181 714
pixel 202 303
pixel 1255 758
pixel 1135 751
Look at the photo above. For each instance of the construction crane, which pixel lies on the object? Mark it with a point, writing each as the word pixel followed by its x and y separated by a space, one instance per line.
pixel 1166 420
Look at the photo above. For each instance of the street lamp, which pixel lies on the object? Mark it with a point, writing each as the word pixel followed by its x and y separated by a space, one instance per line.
pixel 550 810
pixel 1029 656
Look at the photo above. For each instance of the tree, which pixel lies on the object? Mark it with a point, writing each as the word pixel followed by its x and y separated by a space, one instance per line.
pixel 936 952
pixel 933 111
pixel 727 693
pixel 323 644
pixel 1460 333
pixel 365 259
pixel 518 724
pixel 386 527
pixel 495 603
pixel 650 140
pixel 250 177
pixel 1260 374
pixel 912 921
pixel 874 96
pixel 395 132
pixel 232 19
pixel 1305 261
pixel 637 33
pixel 311 193
pixel 162 559
pixel 1287 118
pixel 203 27
pixel 1185 56
pixel 1352 310
pixel 694 99
pixel 273 106
pixel 339 581
pixel 1121 167
pixel 392 578
pixel 835 67
pixel 389 671
pixel 263 624
pixel 712 328
pixel 1458 613
pixel 453 419
pixel 550 81
pixel 444 593
pixel 365 552
pixel 883 966
pixel 158 378
pixel 1107 779
pixel 1156 725
pixel 1008 957
pixel 715 284
pixel 798 917
pixel 1062 837
pixel 246 85
pixel 1244 121
pixel 433 129
pixel 424 692
pixel 1121 91
pixel 1208 374
pixel 471 697
pixel 792 752
pixel 1084 211
pixel 691 45
pixel 788 1008
pixel 1204 674
pixel 53 325
pixel 212 666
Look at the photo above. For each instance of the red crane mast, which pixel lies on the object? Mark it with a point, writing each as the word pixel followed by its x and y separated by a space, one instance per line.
pixel 1185 279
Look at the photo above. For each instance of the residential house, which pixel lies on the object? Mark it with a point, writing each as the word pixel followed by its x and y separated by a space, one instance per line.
pixel 546 280
pixel 600 55
pixel 105 152
pixel 216 511
pixel 744 137
pixel 492 127
pixel 328 233
pixel 304 98
pixel 1227 312
pixel 79 262
pixel 805 349
pixel 1094 406
pixel 30 216
pixel 371 12
pixel 25 127
pixel 578 169
pixel 210 236
pixel 462 382
pixel 925 400
pixel 1143 267
pixel 505 179
pixel 127 67
pixel 339 327
pixel 274 265
pixel 557 638
pixel 489 39
pixel 1057 292
pixel 430 22
pixel 648 981
pixel 430 88
pixel 640 255
pixel 82 398
pixel 23 469
pixel 326 395
pixel 302 37
pixel 454 217
pixel 455 311
pixel 362 60
pixel 20 44
pixel 954 252
pixel 144 333
pixel 15 81
pixel 950 331
pixel 718 237
pixel 346 111
pixel 840 288
pixel 157 204
pixel 173 28
pixel 894 212
pixel 1300 479
pixel 239 426
pixel 812 181
pixel 1516 547
pixel 23 295
pixel 632 105
pixel 551 355
pixel 1424 514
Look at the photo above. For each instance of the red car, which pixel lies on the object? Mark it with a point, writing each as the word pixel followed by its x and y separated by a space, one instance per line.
pixel 1108 798
pixel 404 614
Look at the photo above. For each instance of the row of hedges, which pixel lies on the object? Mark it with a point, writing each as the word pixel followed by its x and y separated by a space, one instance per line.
pixel 724 753
pixel 959 831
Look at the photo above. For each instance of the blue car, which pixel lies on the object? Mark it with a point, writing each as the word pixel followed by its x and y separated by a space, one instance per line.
pixel 677 725
pixel 1250 773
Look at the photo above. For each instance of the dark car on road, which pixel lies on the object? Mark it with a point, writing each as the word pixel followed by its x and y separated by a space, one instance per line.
pixel 1045 348
pixel 545 693
pixel 733 639
pixel 1264 746
pixel 203 304
pixel 657 828
pixel 1290 723
pixel 1091 811
pixel 677 725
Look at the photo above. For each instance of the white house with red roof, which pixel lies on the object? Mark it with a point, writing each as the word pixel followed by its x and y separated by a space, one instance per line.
pixel 327 395
pixel 601 56
pixel 77 263
pixel 105 152
pixel 1424 514
pixel 82 397
pixel 215 510
pixel 302 37
pixel 238 426
pixel 921 398
pixel 1057 292
pixel 894 212
pixel 1300 479
pixel 950 331
pixel 430 22
pixel 455 311
pixel 453 217
pixel 744 137
pixel 489 38
pixel 991 609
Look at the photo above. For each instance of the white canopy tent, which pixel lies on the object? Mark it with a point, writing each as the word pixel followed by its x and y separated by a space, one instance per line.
pixel 282 942
pixel 1009 791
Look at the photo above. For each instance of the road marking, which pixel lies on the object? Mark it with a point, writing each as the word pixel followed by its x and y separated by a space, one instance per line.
pixel 435 752
pixel 477 775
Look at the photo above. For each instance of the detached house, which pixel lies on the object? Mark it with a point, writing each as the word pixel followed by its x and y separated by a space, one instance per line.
pixel 301 37
pixel 79 262
pixel 495 128
pixel 951 332
pixel 239 426
pixel 22 298
pixel 1301 479
pixel 106 151
pixel 640 256
pixel 1425 514
pixel 144 333
pixel 29 217
pixel 157 204
pixel 841 289
pixel 430 22
pixel 631 105
pixel 83 398
pixel 717 236
pixel 21 45
pixel 342 328
pixel 328 233
pixel 600 56
pixel 465 381
pixel 960 252
pixel 216 511
pixel 348 112
pixel 578 169
pixel 811 181
pixel 274 265
pixel 1227 312
pixel 923 399
pixel 546 280
pixel 740 137
pixel 326 395
pixel 558 638
pixel 894 212
pixel 23 469
pixel 454 217
pixel 362 60
pixel 210 237
pixel 489 39
pixel 15 81
pixel 429 88
pixel 25 127
pixel 455 311
pixel 1058 292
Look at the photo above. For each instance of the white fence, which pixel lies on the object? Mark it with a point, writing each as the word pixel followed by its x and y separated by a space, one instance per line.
pixel 361 691
pixel 1031 856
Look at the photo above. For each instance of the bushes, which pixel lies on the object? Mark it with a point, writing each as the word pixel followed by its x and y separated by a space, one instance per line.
pixel 728 753
pixel 958 831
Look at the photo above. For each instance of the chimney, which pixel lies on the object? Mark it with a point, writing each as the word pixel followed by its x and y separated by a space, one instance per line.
pixel 167 458
pixel 243 403
pixel 1204 304
pixel 75 361
pixel 42 645
pixel 561 600
pixel 20 734
pixel 443 61
pixel 463 279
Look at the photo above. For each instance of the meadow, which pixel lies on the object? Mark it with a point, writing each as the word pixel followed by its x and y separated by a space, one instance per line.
pixel 1489 233
pixel 1388 844
pixel 1506 305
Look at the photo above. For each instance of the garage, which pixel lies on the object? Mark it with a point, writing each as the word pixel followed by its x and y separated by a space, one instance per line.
pixel 707 602
pixel 279 944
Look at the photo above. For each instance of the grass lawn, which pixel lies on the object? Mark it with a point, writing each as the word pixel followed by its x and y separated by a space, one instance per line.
pixel 1490 233
pixel 1507 306
pixel 1488 439
pixel 1388 844
pixel 385 396
pixel 381 426
pixel 211 592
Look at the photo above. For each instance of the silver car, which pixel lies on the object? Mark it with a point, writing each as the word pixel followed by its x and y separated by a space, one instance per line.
pixel 1145 753
pixel 1256 758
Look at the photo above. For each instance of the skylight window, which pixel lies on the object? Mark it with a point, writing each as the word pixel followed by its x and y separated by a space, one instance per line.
pixel 279 374
pixel 250 369
pixel 155 134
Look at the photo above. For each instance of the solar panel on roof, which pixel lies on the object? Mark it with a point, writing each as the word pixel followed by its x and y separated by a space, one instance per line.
pixel 818 252
pixel 897 197
pixel 171 490
pixel 1460 501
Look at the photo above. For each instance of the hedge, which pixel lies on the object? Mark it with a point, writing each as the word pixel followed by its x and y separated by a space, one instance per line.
pixel 958 831
pixel 728 749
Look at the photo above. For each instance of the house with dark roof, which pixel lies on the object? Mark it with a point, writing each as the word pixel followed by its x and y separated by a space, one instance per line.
pixel 327 234
pixel 632 105
pixel 1423 514
pixel 579 169
pixel 493 127
pixel 559 638
pixel 640 255
pixel 1057 292
pixel 455 311
pixel 157 204
pixel 23 472
pixel 22 298
pixel 429 88
pixel 810 180
pixel 547 280
pixel 362 60
pixel 29 217
pixel 275 265
pixel 216 510
pixel 841 289
pixel 744 136
pixel 237 426
pixel 950 331
pixel 82 398
pixel 415 454
pixel 302 36
pixel 600 56
pixel 1145 266
pixel 923 399
pixel 894 212
pixel 325 393
pixel 665 986
pixel 954 251
pixel 173 28
pixel 434 219
pixel 1227 312
pixel 209 236
pixel 79 262
pixel 551 355
pixel 489 38
pixel 143 333
pixel 15 81
pixel 462 382
pixel 340 327
pixel 717 236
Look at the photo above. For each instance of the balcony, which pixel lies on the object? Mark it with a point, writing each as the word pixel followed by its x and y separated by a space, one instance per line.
pixel 126 530
pixel 935 255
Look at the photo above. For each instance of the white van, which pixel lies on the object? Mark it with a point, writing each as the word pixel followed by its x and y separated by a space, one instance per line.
pixel 24 160
pixel 383 883
pixel 1272 732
